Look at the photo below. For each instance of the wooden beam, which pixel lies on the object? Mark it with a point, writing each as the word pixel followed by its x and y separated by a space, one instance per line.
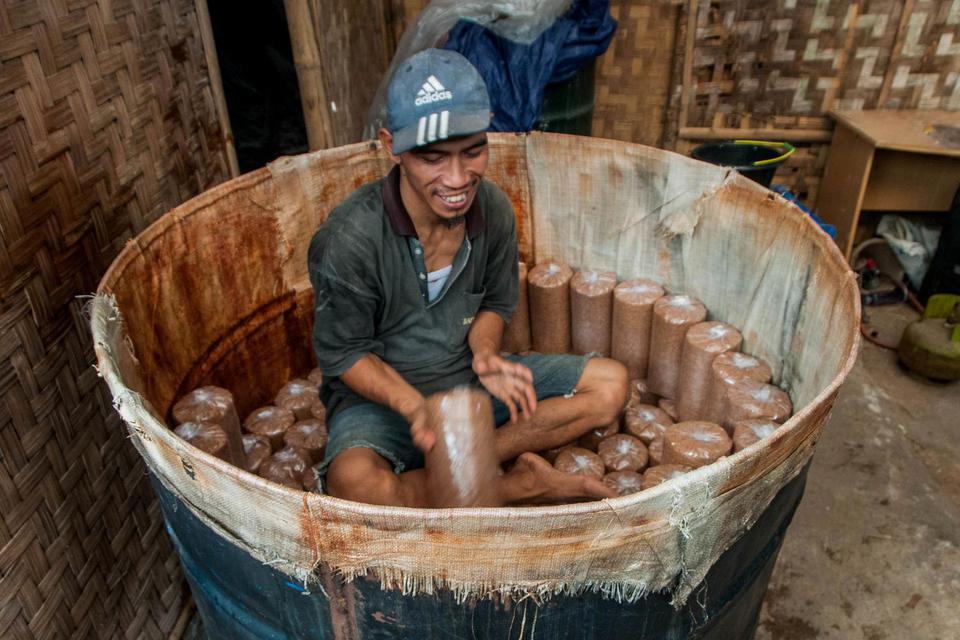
pixel 788 135
pixel 306 58
pixel 216 85
pixel 688 49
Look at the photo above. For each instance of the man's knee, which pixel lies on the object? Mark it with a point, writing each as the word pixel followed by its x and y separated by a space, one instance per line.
pixel 361 475
pixel 605 380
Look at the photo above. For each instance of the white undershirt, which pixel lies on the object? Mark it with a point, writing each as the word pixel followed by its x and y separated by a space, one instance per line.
pixel 436 280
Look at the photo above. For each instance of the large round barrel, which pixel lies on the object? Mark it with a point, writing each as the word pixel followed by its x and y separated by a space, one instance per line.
pixel 216 292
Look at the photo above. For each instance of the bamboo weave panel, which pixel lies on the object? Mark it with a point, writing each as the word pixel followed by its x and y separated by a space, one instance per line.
pixel 106 121
pixel 756 60
pixel 634 75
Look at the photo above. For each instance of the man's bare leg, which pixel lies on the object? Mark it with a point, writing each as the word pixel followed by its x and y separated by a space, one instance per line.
pixel 600 397
pixel 361 475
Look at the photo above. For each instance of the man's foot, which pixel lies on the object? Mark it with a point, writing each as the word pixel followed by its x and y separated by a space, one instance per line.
pixel 533 480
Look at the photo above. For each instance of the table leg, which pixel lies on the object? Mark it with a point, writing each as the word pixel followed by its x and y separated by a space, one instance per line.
pixel 844 183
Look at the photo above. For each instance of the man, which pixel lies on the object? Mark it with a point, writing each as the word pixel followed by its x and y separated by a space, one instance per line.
pixel 415 277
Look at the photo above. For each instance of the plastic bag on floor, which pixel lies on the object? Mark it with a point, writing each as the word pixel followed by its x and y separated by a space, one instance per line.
pixel 913 243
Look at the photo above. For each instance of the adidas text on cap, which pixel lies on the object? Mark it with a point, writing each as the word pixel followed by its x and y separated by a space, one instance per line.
pixel 434 95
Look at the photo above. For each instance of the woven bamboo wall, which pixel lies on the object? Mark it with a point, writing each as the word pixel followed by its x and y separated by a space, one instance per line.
pixel 634 75
pixel 784 64
pixel 106 121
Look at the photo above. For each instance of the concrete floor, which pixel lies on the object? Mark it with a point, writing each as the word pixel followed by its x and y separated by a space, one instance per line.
pixel 874 549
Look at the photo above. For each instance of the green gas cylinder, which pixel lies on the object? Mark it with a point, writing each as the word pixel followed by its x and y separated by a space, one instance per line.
pixel 931 345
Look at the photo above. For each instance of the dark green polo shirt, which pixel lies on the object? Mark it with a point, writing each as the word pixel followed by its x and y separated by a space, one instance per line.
pixel 368 272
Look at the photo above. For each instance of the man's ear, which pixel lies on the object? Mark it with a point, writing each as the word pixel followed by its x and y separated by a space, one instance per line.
pixel 386 139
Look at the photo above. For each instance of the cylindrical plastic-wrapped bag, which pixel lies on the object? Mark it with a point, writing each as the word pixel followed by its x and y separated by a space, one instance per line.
pixel 749 432
pixel 213 404
pixel 516 335
pixel 672 317
pixel 591 309
pixel 702 344
pixel 206 436
pixel 695 443
pixel 752 400
pixel 462 469
pixel 632 316
pixel 726 369
pixel 548 292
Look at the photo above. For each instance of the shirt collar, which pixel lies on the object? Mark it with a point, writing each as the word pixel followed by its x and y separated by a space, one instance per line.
pixel 399 218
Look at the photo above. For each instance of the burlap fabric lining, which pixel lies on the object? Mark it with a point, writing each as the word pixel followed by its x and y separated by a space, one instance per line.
pixel 666 218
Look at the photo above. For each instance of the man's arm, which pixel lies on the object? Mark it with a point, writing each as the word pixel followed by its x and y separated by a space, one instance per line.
pixel 378 382
pixel 509 382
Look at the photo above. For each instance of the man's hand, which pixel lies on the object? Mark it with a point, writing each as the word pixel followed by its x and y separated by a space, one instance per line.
pixel 509 382
pixel 415 413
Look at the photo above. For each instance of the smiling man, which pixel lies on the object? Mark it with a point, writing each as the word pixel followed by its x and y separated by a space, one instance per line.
pixel 415 278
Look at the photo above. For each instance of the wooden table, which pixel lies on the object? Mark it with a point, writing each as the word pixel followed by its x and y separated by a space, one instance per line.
pixel 889 161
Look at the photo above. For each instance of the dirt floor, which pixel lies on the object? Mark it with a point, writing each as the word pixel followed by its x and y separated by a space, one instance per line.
pixel 874 549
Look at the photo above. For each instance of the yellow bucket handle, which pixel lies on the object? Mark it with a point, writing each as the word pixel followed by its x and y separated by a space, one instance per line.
pixel 790 149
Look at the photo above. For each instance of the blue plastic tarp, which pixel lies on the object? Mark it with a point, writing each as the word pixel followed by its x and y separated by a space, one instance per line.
pixel 517 74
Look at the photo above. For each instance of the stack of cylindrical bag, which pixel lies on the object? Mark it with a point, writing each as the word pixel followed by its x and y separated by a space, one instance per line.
pixel 694 397
pixel 280 442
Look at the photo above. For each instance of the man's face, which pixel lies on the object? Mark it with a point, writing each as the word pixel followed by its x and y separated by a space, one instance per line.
pixel 443 177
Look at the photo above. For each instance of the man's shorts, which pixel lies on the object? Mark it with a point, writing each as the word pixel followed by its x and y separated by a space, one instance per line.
pixel 376 427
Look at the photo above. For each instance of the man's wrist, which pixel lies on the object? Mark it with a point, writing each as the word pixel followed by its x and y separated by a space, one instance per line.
pixel 483 348
pixel 408 405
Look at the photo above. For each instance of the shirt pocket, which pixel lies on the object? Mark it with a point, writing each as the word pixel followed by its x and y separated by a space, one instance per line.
pixel 463 312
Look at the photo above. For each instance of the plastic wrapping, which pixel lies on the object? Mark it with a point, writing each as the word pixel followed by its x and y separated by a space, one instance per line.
pixel 752 400
pixel 298 395
pixel 516 336
pixel 640 393
pixel 550 455
pixel 622 452
pixel 270 422
pixel 318 412
pixel 206 436
pixel 646 422
pixel 517 74
pixel 309 435
pixel 672 317
pixel 548 290
pixel 624 482
pixel 213 404
pixel 462 468
pixel 591 310
pixel 521 21
pixel 702 344
pixel 669 407
pixel 660 474
pixel 316 377
pixel 287 467
pixel 580 462
pixel 695 443
pixel 726 369
pixel 749 432
pixel 591 439
pixel 655 450
pixel 256 449
pixel 632 316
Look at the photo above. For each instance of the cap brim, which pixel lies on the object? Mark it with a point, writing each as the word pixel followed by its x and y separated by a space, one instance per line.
pixel 459 125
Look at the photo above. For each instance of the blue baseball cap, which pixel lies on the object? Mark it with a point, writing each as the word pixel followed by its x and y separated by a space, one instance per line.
pixel 434 95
